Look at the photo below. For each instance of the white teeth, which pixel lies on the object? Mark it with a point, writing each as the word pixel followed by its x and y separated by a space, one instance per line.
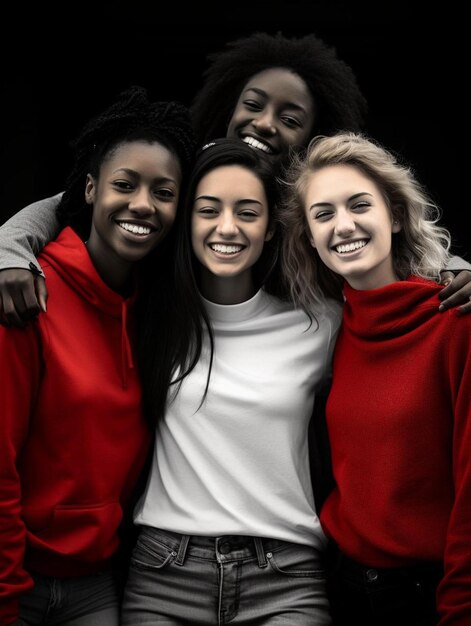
pixel 136 229
pixel 223 249
pixel 257 144
pixel 350 247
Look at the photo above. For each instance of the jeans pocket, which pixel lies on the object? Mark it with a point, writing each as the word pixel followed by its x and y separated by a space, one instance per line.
pixel 149 553
pixel 296 561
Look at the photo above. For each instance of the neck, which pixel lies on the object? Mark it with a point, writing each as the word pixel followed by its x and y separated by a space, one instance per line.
pixel 227 290
pixel 114 271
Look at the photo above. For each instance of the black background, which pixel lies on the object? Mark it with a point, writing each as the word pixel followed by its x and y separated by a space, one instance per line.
pixel 61 65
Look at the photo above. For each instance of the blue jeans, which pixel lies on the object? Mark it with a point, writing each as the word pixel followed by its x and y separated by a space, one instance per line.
pixel 181 580
pixel 81 601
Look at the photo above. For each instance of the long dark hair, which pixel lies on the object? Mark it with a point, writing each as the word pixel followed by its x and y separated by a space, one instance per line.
pixel 170 353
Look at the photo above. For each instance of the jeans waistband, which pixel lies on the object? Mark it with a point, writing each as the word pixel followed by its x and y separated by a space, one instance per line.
pixel 226 547
pixel 346 567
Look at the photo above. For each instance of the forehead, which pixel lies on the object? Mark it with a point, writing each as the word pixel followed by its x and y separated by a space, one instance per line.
pixel 143 154
pixel 282 84
pixel 231 180
pixel 326 183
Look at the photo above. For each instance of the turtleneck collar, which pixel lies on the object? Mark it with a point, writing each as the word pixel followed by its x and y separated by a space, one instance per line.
pixel 392 310
pixel 240 312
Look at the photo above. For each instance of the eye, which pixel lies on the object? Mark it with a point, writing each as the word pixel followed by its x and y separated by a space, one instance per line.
pixel 123 185
pixel 252 105
pixel 323 215
pixel 360 206
pixel 207 211
pixel 165 194
pixel 248 215
pixel 291 122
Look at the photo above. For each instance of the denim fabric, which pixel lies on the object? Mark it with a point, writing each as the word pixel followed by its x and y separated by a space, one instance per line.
pixel 178 580
pixel 382 596
pixel 82 601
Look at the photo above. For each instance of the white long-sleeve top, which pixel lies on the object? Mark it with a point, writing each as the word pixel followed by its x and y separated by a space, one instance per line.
pixel 240 464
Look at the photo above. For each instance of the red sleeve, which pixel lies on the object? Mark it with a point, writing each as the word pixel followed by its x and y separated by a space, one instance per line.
pixel 454 591
pixel 20 370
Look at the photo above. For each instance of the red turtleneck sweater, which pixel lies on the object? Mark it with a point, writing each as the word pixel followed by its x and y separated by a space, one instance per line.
pixel 72 438
pixel 399 420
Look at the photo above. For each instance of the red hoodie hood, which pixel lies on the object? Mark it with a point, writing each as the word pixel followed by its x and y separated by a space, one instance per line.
pixel 76 268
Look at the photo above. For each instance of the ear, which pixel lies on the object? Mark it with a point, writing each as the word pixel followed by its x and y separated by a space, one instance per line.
pixel 396 226
pixel 270 231
pixel 90 188
pixel 311 240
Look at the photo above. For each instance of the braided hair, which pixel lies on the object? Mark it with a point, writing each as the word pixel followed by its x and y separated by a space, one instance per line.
pixel 132 117
pixel 339 102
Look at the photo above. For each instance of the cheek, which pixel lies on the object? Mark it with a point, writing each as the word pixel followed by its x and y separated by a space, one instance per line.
pixel 239 114
pixel 197 236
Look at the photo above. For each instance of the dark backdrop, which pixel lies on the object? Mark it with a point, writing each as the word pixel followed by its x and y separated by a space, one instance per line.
pixel 63 65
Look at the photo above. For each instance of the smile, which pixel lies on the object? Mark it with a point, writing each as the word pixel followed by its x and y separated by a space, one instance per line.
pixel 135 229
pixel 255 143
pixel 344 248
pixel 226 249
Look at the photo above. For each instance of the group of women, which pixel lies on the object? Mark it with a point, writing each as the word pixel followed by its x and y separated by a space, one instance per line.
pixel 201 295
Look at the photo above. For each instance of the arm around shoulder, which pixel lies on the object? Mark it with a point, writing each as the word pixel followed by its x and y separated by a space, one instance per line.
pixel 24 235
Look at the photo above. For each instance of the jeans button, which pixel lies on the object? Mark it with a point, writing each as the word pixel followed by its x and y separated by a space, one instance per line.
pixel 224 547
pixel 371 575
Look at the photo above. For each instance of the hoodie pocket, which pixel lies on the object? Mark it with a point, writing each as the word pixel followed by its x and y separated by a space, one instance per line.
pixel 87 533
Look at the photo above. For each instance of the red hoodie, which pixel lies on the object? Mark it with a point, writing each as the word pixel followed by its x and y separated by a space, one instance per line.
pixel 73 441
pixel 399 420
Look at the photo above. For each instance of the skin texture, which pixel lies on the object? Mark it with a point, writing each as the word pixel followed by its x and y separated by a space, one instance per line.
pixel 137 189
pixel 230 225
pixel 276 110
pixel 351 226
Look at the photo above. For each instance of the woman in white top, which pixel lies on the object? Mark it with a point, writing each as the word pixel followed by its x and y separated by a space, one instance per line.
pixel 228 523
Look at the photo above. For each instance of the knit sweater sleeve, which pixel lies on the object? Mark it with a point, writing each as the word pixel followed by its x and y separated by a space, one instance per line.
pixel 457 264
pixel 454 591
pixel 27 232
pixel 19 373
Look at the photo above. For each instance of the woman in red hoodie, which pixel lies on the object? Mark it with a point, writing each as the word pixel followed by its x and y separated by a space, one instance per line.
pixel 399 410
pixel 73 441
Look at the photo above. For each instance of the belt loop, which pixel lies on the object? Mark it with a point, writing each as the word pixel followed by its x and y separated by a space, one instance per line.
pixel 261 557
pixel 182 550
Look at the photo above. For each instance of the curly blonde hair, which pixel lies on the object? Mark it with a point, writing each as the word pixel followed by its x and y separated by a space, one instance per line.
pixel 420 248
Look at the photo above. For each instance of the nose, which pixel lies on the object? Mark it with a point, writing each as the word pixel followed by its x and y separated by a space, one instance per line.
pixel 265 123
pixel 141 202
pixel 344 224
pixel 226 226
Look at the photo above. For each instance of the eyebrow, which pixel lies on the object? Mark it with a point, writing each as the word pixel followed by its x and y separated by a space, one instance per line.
pixel 263 93
pixel 355 195
pixel 240 201
pixel 130 172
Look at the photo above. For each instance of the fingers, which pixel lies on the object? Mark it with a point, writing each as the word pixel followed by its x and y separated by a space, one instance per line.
pixel 446 278
pixel 457 294
pixel 41 292
pixel 19 302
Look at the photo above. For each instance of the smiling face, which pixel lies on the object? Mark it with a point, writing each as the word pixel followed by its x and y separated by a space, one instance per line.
pixel 351 226
pixel 230 224
pixel 134 203
pixel 274 112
